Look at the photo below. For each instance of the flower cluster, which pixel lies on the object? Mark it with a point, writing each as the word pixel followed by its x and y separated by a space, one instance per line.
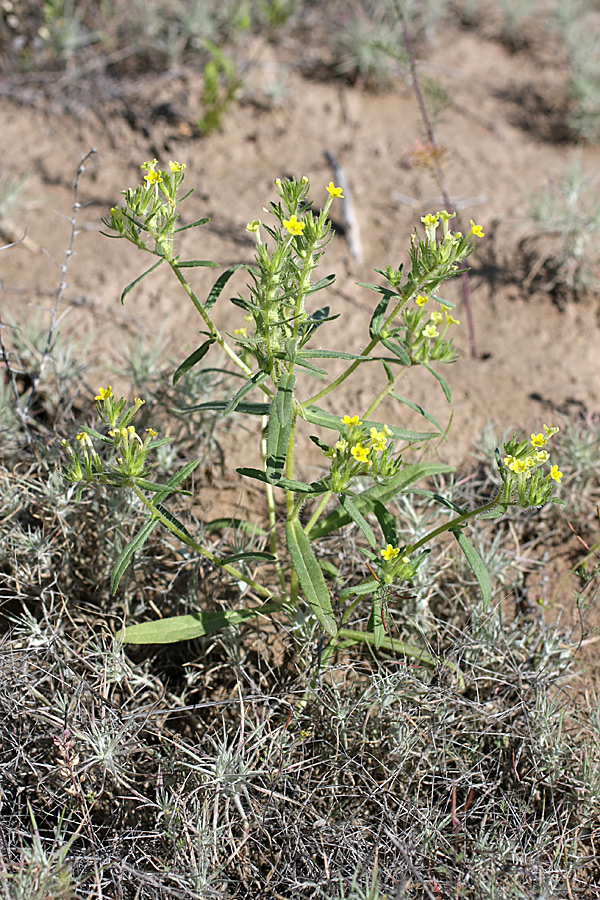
pixel 282 276
pixel 426 331
pixel 527 471
pixel 150 208
pixel 131 450
pixel 361 451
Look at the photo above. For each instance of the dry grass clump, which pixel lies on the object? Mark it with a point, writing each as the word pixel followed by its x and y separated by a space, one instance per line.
pixel 239 766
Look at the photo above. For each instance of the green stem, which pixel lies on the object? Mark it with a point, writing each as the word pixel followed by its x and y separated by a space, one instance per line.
pixel 315 516
pixel 402 301
pixel 214 332
pixel 270 494
pixel 455 523
pixel 190 542
pixel 383 393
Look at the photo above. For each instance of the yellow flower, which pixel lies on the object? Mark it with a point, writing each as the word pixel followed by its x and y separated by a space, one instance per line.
pixel 476 229
pixel 341 445
pixel 360 453
pixel 104 393
pixel 538 440
pixel 153 177
pixel 430 331
pixel 556 474
pixel 542 456
pixel 445 216
pixel 138 401
pixel 379 440
pixel 550 430
pixel 450 320
pixel 293 225
pixel 437 318
pixel 149 165
pixel 351 420
pixel 241 331
pixel 335 191
pixel 151 432
pixel 175 166
pixel 253 226
pixel 390 553
pixel 430 220
pixel 421 300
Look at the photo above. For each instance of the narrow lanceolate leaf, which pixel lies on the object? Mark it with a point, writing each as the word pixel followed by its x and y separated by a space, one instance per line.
pixel 322 283
pixel 329 354
pixel 420 410
pixel 234 403
pixel 248 556
pixel 194 263
pixel 378 317
pixel 317 416
pixel 195 224
pixel 125 555
pixel 477 564
pixel 216 289
pixel 398 350
pixel 251 409
pixel 376 624
pixel 143 534
pixel 192 360
pixel 286 484
pixel 441 381
pixel 310 576
pixel 382 493
pixel 137 280
pixel 185 628
pixel 387 523
pixel 358 519
pixel 281 418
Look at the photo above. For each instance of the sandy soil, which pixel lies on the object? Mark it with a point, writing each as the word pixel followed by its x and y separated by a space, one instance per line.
pixel 537 363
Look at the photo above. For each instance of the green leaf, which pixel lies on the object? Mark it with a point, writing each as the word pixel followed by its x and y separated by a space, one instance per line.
pixel 252 409
pixel 328 354
pixel 382 493
pixel 249 555
pixel 417 408
pixel 444 501
pixel 195 263
pixel 310 575
pixel 241 524
pixel 379 289
pixel 151 486
pixel 124 557
pixel 137 280
pixel 358 519
pixel 192 224
pixel 286 484
pixel 253 382
pixel 317 416
pixel 375 624
pixel 322 283
pixel 441 381
pixel 217 288
pixel 186 628
pixel 172 519
pixel 477 564
pixel 281 419
pixel 387 523
pixel 397 349
pixel 378 317
pixel 192 360
pixel 138 541
pixel 357 590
